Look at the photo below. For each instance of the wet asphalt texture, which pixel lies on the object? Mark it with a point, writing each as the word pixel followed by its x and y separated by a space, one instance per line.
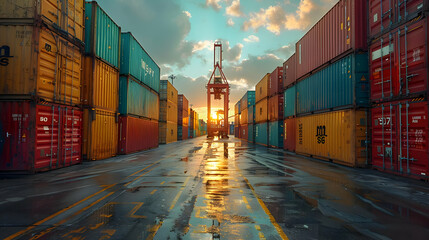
pixel 212 189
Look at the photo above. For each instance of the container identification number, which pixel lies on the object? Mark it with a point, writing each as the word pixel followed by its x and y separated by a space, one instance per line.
pixel 321 134
pixel 384 121
pixel 5 55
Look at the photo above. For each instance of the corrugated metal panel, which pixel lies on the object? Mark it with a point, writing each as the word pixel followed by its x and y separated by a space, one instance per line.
pixel 261 89
pixel 251 133
pixel 100 134
pixel 237 107
pixel 342 29
pixel 182 109
pixel 400 136
pixel 399 62
pixel 261 111
pixel 168 91
pixel 136 134
pixel 136 61
pixel 244 117
pixel 290 102
pixel 38 63
pixel 289 76
pixel 343 83
pixel 275 84
pixel 167 132
pixel 36 138
pixel 261 133
pixel 136 99
pixel 339 136
pixel 244 132
pixel 168 112
pixel 289 142
pixel 275 107
pixel 275 134
pixel 102 34
pixel 247 100
pixel 67 16
pixel 251 115
pixel 100 85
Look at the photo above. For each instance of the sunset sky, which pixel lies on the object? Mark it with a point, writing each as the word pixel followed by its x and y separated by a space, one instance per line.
pixel 257 36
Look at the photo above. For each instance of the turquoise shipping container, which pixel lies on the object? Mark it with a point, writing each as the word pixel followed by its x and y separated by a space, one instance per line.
pixel 261 133
pixel 341 84
pixel 251 133
pixel 290 102
pixel 135 61
pixel 136 99
pixel 275 134
pixel 102 35
pixel 251 115
pixel 247 100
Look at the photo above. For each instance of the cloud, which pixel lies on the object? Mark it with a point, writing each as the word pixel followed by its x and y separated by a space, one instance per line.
pixel 306 15
pixel 201 45
pixel 230 22
pixel 283 52
pixel 234 9
pixel 188 14
pixel 231 54
pixel 272 19
pixel 215 4
pixel 251 38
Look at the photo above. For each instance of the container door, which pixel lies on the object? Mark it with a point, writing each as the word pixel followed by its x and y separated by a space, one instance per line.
pixel 72 121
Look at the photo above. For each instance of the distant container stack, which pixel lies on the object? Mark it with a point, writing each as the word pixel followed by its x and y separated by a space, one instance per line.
pixel 168 113
pixel 138 98
pixel 237 112
pixel 247 107
pixel 289 112
pixel 275 108
pixel 261 111
pixel 399 71
pixel 40 95
pixel 182 117
pixel 203 127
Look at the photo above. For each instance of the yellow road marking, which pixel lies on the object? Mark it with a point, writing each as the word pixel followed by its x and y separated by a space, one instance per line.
pixel 257 227
pixel 154 230
pixel 186 182
pixel 135 209
pixel 141 175
pixel 245 200
pixel 261 236
pixel 151 193
pixel 162 182
pixel 176 198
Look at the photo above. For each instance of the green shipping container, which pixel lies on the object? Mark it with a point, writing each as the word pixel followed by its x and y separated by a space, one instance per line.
pixel 102 34
pixel 135 61
pixel 290 102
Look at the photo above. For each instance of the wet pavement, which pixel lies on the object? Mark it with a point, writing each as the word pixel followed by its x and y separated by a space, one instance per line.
pixel 213 189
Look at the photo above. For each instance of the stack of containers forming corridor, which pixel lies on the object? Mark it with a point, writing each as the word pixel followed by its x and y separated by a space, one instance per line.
pixel 182 117
pixel 275 108
pixel 167 113
pixel 261 111
pixel 289 112
pixel 247 120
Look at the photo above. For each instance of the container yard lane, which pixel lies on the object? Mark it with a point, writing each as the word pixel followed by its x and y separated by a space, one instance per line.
pixel 212 189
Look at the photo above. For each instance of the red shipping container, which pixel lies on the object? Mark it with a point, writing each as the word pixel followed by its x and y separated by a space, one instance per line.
pixel 36 137
pixel 137 134
pixel 244 132
pixel 289 141
pixel 341 31
pixel 289 77
pixel 185 133
pixel 275 107
pixel 182 108
pixel 399 62
pixel 385 13
pixel 400 138
pixel 275 84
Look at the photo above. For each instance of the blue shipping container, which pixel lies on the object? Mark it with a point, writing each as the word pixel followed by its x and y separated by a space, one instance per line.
pixel 251 133
pixel 247 100
pixel 251 115
pixel 237 107
pixel 136 99
pixel 135 61
pixel 341 84
pixel 290 102
pixel 261 133
pixel 102 34
pixel 276 134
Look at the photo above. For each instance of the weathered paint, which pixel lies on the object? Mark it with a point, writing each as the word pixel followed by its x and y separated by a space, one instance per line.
pixel 343 83
pixel 244 117
pixel 251 115
pixel 237 108
pixel 275 107
pixel 37 63
pixel 261 133
pixel 400 138
pixel 251 133
pixel 102 34
pixel 136 99
pixel 289 76
pixel 100 134
pixel 244 132
pixel 167 132
pixel 247 100
pixel 338 136
pixel 275 134
pixel 275 83
pixel 261 89
pixel 37 138
pixel 261 111
pixel 100 85
pixel 182 110
pixel 167 111
pixel 290 102
pixel 137 134
pixel 137 62
pixel 289 141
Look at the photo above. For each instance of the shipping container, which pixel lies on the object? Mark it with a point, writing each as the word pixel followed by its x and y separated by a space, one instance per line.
pixel 399 63
pixel 275 83
pixel 244 117
pixel 136 99
pixel 66 16
pixel 289 141
pixel 400 138
pixel 100 134
pixel 167 132
pixel 261 111
pixel 289 76
pixel 342 30
pixel 167 112
pixel 137 134
pixel 182 109
pixel 237 108
pixel 275 134
pixel 247 100
pixel 168 91
pixel 251 115
pixel 387 14
pixel 37 63
pixel 36 137
pixel 290 102
pixel 231 129
pixel 135 61
pixel 182 132
pixel 261 89
pixel 237 131
pixel 185 134
pixel 244 132
pixel 341 84
pixel 261 133
pixel 338 136
pixel 100 85
pixel 251 133
pixel 102 35
pixel 275 107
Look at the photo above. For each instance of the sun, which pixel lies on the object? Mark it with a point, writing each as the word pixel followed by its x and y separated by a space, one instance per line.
pixel 214 116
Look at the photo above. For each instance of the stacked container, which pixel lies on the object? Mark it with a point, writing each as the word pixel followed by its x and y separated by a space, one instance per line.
pixel 100 84
pixel 182 117
pixel 275 108
pixel 247 106
pixel 399 71
pixel 237 112
pixel 40 95
pixel 191 123
pixel 289 112
pixel 167 113
pixel 261 111
pixel 202 127
pixel 138 97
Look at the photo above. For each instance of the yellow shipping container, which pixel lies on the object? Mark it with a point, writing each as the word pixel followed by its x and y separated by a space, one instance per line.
pixel 100 85
pixel 100 134
pixel 244 116
pixel 167 111
pixel 261 89
pixel 261 111
pixel 37 62
pixel 338 136
pixel 167 132
pixel 68 15
pixel 168 92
